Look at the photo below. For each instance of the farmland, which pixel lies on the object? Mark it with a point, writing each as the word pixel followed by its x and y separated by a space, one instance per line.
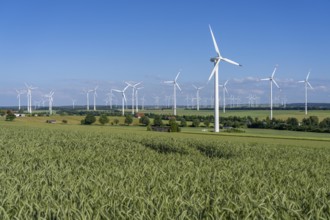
pixel 120 172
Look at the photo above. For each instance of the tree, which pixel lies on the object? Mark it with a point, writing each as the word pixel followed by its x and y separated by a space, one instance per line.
pixel 183 122
pixel 103 119
pixel 325 123
pixel 196 122
pixel 10 116
pixel 158 120
pixel 174 126
pixel 206 123
pixel 128 119
pixel 116 121
pixel 144 120
pixel 89 119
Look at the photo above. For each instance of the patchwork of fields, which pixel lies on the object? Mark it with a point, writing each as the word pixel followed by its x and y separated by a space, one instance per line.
pixel 93 172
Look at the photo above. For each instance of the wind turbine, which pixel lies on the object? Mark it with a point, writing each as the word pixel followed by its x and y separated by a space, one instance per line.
pixel 271 81
pixel 307 84
pixel 73 102
pixel 95 94
pixel 137 98
pixel 19 93
pixel 29 97
pixel 123 100
pixel 87 97
pixel 50 102
pixel 216 60
pixel 197 95
pixel 224 91
pixel 133 92
pixel 175 85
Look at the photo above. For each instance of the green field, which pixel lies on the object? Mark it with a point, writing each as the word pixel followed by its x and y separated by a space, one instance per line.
pixel 58 171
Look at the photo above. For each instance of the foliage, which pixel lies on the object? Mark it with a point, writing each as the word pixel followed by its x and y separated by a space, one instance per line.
pixel 158 120
pixel 183 122
pixel 206 122
pixel 174 126
pixel 325 123
pixel 116 121
pixel 10 116
pixel 128 119
pixel 89 119
pixel 64 121
pixel 195 123
pixel 103 119
pixel 144 120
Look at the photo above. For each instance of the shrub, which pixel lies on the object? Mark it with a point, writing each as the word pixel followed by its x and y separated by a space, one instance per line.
pixel 103 119
pixel 144 120
pixel 128 119
pixel 158 120
pixel 89 119
pixel 10 116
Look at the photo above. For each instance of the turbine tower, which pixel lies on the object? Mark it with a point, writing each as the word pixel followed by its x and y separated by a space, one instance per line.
pixel 87 97
pixel 271 81
pixel 73 103
pixel 50 102
pixel 95 95
pixel 123 98
pixel 175 84
pixel 19 93
pixel 133 93
pixel 216 60
pixel 224 91
pixel 197 96
pixel 137 98
pixel 307 84
pixel 29 97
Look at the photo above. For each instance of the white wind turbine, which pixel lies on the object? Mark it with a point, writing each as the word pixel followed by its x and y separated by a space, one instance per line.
pixel 133 92
pixel 19 93
pixel 175 84
pixel 50 102
pixel 197 95
pixel 216 60
pixel 87 97
pixel 29 97
pixel 272 80
pixel 95 95
pixel 224 91
pixel 123 98
pixel 73 103
pixel 307 84
pixel 137 98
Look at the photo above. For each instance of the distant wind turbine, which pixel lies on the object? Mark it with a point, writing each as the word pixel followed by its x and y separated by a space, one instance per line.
pixel 50 102
pixel 19 93
pixel 197 96
pixel 175 85
pixel 137 98
pixel 216 60
pixel 29 97
pixel 133 85
pixel 272 80
pixel 95 95
pixel 87 97
pixel 307 84
pixel 123 98
pixel 224 91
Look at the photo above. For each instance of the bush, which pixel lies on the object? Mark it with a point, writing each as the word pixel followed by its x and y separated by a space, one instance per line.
pixel 64 121
pixel 89 119
pixel 144 120
pixel 128 119
pixel 174 126
pixel 103 119
pixel 116 121
pixel 195 123
pixel 158 120
pixel 183 122
pixel 10 116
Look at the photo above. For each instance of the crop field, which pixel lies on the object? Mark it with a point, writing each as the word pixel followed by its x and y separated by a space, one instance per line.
pixel 108 172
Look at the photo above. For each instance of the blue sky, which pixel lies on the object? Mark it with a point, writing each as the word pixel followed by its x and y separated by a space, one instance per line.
pixel 71 45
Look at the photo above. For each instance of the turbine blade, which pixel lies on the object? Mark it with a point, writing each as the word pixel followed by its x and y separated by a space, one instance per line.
pixel 226 83
pixel 274 72
pixel 116 90
pixel 226 90
pixel 275 83
pixel 265 79
pixel 214 69
pixel 124 97
pixel 125 88
pixel 310 85
pixel 177 85
pixel 195 86
pixel 308 75
pixel 168 81
pixel 177 76
pixel 230 61
pixel 214 42
pixel 302 81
